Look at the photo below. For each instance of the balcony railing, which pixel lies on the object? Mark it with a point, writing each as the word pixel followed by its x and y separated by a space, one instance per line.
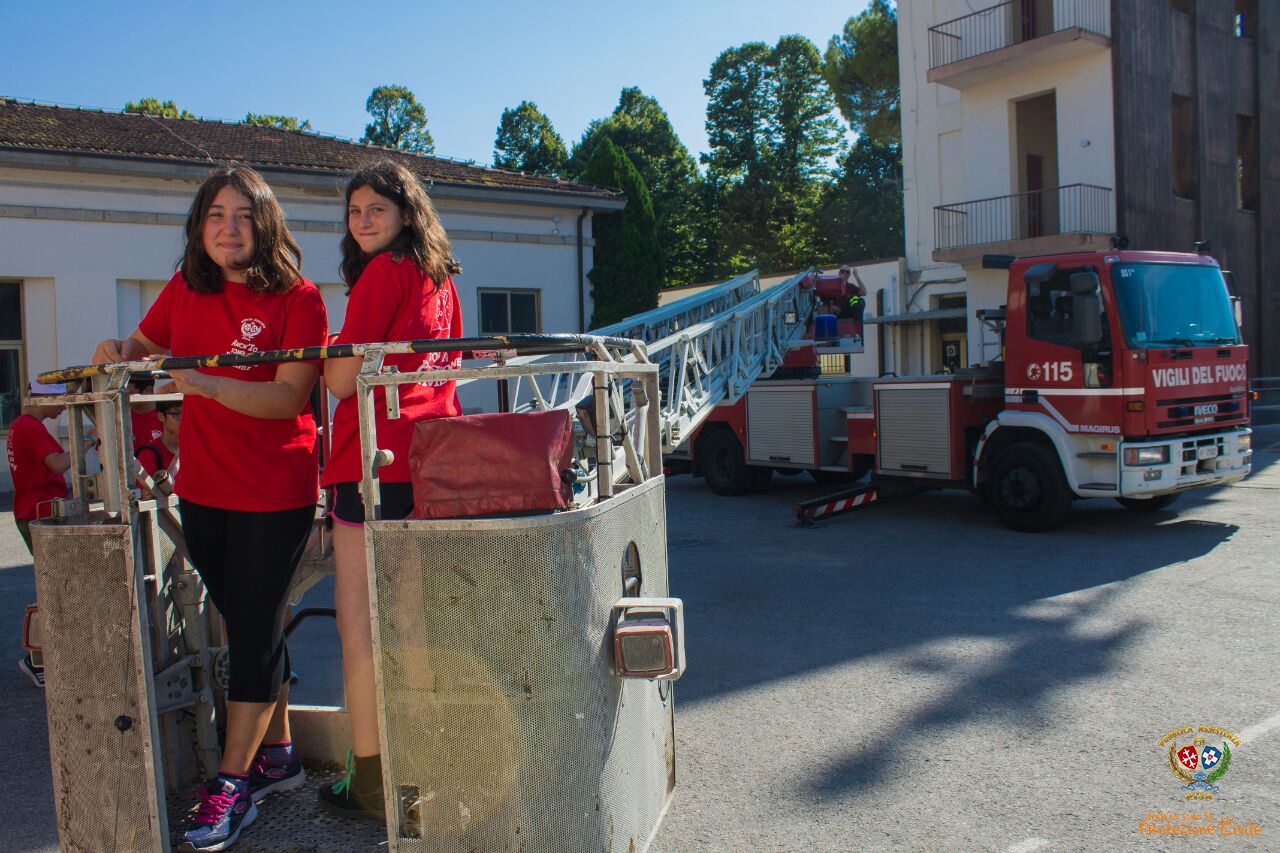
pixel 1073 209
pixel 1013 23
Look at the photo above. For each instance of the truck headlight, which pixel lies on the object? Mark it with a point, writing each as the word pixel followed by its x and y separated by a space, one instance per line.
pixel 1244 443
pixel 1146 455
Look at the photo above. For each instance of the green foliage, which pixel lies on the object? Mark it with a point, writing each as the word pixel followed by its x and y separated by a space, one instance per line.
pixel 1223 766
pixel 771 129
pixel 281 122
pixel 627 273
pixel 860 215
pixel 154 107
pixel 861 66
pixel 527 142
pixel 399 121
pixel 641 128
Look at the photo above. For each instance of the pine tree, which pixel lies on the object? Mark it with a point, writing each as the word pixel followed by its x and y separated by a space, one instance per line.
pixel 281 122
pixel 156 107
pixel 527 142
pixel 399 121
pixel 861 65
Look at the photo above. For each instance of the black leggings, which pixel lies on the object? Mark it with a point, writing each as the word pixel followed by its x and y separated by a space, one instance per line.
pixel 247 560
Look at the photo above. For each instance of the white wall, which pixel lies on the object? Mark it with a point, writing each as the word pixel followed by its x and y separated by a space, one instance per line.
pixel 960 146
pixel 84 281
pixel 886 276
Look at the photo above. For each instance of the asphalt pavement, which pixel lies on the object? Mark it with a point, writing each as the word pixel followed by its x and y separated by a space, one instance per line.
pixel 915 677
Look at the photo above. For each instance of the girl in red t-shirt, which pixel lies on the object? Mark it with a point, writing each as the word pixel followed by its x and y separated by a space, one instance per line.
pixel 248 483
pixel 396 260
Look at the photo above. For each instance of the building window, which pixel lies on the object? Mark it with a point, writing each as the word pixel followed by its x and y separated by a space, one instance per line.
pixel 1183 136
pixel 1247 184
pixel 513 312
pixel 1247 19
pixel 833 364
pixel 12 369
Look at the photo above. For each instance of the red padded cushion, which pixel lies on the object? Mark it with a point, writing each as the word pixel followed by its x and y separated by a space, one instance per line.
pixel 495 464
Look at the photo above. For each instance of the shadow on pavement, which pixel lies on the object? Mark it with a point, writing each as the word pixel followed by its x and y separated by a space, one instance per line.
pixel 930 569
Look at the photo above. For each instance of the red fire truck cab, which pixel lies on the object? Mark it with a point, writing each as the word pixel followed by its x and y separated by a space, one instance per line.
pixel 1124 376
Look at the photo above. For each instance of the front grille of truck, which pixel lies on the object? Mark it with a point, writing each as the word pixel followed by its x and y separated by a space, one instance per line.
pixel 1182 412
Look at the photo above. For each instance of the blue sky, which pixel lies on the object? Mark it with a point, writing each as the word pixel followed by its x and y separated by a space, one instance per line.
pixel 464 61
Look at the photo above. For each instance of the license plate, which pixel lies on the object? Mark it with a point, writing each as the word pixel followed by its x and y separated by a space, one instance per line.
pixel 1210 452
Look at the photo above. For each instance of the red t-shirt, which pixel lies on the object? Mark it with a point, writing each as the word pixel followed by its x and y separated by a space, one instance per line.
pixel 146 427
pixel 231 460
pixel 394 301
pixel 30 443
pixel 154 456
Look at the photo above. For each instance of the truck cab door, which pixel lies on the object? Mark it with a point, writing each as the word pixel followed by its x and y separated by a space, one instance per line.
pixel 1064 371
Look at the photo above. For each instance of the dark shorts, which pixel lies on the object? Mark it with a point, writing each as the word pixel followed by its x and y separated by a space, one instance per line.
pixel 348 508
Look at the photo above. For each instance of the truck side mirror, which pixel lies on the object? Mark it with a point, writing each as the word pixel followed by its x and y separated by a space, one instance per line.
pixel 1086 308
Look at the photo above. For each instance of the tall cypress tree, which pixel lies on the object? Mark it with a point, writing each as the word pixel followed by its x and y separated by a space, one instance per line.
pixel 642 129
pixel 627 273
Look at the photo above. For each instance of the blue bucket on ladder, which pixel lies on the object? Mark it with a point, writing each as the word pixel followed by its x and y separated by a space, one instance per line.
pixel 825 326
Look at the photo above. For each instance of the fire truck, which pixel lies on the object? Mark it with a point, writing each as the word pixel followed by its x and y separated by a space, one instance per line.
pixel 1123 375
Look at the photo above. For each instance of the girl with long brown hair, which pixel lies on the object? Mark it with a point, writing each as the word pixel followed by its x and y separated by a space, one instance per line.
pixel 397 264
pixel 248 484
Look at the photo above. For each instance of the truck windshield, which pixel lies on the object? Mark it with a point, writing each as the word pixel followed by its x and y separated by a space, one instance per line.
pixel 1164 305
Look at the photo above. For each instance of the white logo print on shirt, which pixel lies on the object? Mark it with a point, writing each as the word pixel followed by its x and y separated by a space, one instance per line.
pixel 442 323
pixel 250 328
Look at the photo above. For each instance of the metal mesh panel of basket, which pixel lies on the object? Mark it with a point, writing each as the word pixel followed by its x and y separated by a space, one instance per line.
pixel 506 728
pixel 85 587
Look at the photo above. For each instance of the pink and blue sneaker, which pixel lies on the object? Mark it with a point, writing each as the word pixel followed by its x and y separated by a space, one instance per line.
pixel 226 807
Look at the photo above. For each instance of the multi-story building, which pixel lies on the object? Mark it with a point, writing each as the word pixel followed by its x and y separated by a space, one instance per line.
pixel 1040 126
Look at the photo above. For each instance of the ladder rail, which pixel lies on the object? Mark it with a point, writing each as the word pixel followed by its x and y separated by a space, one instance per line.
pixel 711 353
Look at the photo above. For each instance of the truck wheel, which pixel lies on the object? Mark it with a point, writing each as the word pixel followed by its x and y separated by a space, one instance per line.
pixel 1027 489
pixel 1147 504
pixel 724 464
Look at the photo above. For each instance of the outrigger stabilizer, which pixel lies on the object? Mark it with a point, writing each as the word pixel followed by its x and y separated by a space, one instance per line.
pixel 829 506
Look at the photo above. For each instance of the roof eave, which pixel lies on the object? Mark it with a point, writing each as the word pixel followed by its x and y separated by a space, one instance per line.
pixel 304 178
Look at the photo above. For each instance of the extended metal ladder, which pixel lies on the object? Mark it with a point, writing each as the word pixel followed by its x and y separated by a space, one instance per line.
pixel 709 348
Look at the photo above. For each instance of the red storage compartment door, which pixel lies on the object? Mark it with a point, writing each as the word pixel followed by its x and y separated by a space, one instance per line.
pixel 862 430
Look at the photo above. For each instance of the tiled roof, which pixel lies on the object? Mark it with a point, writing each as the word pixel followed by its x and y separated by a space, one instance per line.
pixel 39 127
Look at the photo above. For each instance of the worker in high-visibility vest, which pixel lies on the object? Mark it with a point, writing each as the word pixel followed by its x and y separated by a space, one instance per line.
pixel 856 292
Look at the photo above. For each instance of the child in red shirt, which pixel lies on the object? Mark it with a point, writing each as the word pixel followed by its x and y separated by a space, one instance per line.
pixel 158 455
pixel 36 464
pixel 144 418
pixel 240 290
pixel 396 260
